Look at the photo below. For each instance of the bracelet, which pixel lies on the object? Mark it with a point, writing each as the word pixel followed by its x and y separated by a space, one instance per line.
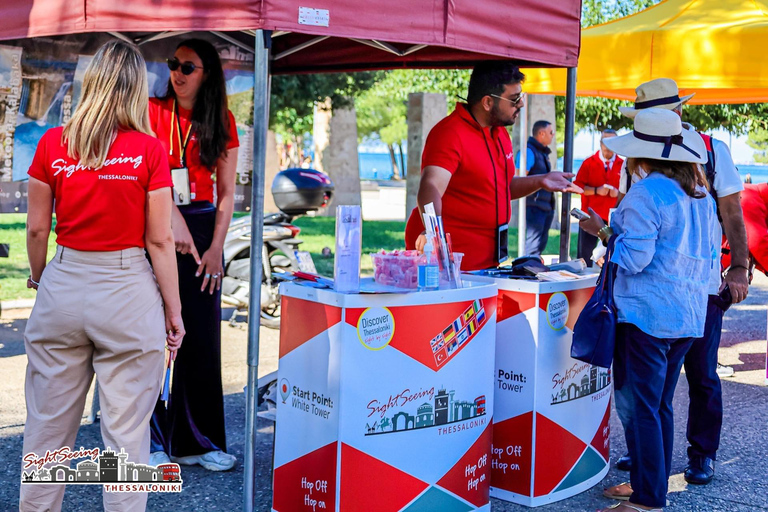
pixel 33 281
pixel 738 266
pixel 605 232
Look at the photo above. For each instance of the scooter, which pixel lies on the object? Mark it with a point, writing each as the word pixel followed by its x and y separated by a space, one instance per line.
pixel 277 255
pixel 296 192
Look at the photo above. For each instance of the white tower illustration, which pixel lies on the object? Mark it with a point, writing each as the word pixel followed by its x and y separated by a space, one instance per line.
pixel 121 470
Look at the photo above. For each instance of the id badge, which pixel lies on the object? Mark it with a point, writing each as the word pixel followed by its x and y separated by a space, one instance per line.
pixel 502 243
pixel 181 193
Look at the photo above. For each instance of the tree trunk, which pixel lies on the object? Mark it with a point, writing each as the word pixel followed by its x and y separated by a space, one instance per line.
pixel 299 139
pixel 293 156
pixel 395 168
pixel 402 161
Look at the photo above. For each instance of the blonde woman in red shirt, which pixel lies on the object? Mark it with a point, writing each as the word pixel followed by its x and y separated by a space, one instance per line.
pixel 99 308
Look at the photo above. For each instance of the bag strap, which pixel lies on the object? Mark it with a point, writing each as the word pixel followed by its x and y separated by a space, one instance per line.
pixel 607 265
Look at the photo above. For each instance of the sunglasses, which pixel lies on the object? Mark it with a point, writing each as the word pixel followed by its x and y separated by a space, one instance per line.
pixel 514 101
pixel 187 68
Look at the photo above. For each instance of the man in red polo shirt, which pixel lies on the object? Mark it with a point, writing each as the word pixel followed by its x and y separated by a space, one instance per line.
pixel 467 168
pixel 599 177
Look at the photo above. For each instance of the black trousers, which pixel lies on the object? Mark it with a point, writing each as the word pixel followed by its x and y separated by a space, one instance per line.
pixel 193 424
pixel 586 245
pixel 705 412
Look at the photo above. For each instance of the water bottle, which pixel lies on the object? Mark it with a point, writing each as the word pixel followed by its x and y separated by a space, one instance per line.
pixel 429 272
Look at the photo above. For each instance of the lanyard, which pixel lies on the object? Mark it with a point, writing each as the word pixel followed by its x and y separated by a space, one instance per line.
pixel 495 182
pixel 493 165
pixel 177 124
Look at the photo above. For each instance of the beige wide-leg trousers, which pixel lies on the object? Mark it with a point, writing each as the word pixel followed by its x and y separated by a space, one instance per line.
pixel 102 312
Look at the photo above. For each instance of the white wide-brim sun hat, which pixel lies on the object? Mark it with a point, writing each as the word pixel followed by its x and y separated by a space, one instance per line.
pixel 659 135
pixel 658 93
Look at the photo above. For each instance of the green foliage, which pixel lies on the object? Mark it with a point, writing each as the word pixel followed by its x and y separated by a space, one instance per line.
pixel 758 140
pixel 316 232
pixel 241 105
pixel 293 97
pixel 381 110
pixel 378 115
pixel 600 113
pixel 595 12
pixel 319 232
pixel 14 270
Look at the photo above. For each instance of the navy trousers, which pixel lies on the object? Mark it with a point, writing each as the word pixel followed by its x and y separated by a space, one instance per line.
pixel 705 412
pixel 537 223
pixel 646 370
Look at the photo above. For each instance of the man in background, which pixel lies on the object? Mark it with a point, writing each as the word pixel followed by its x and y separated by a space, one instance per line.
pixel 599 177
pixel 540 206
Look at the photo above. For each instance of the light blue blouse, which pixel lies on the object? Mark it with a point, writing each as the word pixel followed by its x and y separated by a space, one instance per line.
pixel 666 248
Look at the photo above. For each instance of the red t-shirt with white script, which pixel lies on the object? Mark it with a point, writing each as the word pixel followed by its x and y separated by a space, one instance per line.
pixel 164 125
pixel 102 209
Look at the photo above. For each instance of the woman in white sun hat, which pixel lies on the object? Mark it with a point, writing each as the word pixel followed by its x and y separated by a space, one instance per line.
pixel 665 245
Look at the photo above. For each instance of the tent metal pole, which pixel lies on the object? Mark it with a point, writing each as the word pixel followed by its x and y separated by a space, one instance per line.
pixel 260 125
pixel 570 123
pixel 522 170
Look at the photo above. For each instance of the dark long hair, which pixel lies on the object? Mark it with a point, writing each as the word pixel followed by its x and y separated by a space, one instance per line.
pixel 688 175
pixel 210 117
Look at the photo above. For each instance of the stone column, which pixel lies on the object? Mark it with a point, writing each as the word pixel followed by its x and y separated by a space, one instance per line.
pixel 425 110
pixel 273 167
pixel 542 106
pixel 335 137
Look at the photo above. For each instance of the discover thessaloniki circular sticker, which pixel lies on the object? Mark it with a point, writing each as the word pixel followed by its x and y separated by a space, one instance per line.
pixel 376 328
pixel 557 311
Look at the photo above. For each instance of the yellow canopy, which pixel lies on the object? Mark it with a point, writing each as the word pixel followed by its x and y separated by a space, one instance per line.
pixel 715 48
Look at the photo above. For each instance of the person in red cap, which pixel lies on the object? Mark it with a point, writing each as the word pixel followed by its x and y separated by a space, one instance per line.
pixel 467 169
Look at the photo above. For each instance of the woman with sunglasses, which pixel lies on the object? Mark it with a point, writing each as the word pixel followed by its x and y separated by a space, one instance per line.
pixel 198 132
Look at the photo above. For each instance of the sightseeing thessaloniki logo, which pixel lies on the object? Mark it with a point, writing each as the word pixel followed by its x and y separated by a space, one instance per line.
pixel 112 470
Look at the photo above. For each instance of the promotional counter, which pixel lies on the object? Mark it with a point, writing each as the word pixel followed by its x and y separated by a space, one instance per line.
pixel 385 401
pixel 551 412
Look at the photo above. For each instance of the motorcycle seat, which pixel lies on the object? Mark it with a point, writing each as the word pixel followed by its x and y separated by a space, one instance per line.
pixel 276 218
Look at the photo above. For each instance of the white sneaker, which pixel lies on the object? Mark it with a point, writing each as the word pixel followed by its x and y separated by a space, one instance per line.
pixel 725 371
pixel 157 458
pixel 212 461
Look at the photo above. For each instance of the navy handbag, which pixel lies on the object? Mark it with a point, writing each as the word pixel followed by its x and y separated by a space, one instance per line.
pixel 594 335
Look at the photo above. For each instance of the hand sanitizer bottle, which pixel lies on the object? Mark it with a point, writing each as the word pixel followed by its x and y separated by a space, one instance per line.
pixel 429 272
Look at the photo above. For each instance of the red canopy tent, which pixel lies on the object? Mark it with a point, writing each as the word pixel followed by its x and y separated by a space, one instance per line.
pixel 288 36
pixel 357 35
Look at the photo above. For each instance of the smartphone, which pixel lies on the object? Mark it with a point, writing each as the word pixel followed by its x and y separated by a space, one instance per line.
pixel 502 243
pixel 580 214
pixel 724 299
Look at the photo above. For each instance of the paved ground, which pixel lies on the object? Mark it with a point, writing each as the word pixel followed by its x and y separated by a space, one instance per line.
pixel 741 483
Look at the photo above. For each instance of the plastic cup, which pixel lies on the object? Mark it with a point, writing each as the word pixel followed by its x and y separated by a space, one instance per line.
pixel 457 257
